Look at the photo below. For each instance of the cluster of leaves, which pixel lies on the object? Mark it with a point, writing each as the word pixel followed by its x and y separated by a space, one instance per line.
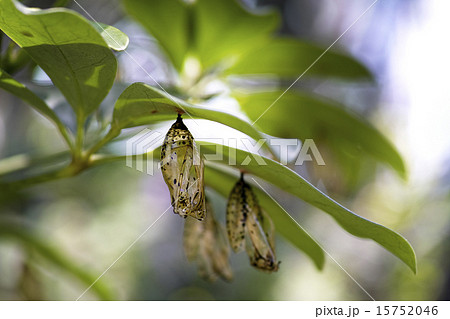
pixel 226 42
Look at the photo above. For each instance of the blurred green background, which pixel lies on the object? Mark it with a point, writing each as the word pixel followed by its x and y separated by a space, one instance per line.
pixel 80 226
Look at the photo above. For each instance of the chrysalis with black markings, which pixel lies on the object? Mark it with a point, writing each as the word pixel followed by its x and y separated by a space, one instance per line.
pixel 182 168
pixel 205 243
pixel 260 242
pixel 240 202
pixel 249 227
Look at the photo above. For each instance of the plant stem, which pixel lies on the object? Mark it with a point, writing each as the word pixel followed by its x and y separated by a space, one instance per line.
pixel 80 160
pixel 65 134
pixel 79 141
pixel 102 159
pixel 113 132
pixel 53 175
pixel 22 162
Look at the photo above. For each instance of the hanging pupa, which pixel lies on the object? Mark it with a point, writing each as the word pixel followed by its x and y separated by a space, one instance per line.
pixel 260 242
pixel 182 168
pixel 249 227
pixel 240 203
pixel 205 243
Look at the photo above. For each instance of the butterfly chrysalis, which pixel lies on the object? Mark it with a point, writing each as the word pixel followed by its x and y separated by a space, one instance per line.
pixel 205 243
pixel 249 227
pixel 182 169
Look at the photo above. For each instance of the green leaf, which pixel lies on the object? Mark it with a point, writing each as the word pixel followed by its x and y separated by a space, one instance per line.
pixel 141 104
pixel 210 29
pixel 223 182
pixel 67 47
pixel 167 21
pixel 303 116
pixel 224 29
pixel 33 241
pixel 116 39
pixel 289 181
pixel 289 58
pixel 16 88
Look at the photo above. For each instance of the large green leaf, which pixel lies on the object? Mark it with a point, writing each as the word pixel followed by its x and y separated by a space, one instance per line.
pixel 291 182
pixel 141 104
pixel 167 21
pixel 289 58
pixel 223 182
pixel 210 29
pixel 67 47
pixel 224 29
pixel 33 241
pixel 304 116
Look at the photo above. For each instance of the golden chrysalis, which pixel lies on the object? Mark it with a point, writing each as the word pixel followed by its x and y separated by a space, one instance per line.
pixel 182 168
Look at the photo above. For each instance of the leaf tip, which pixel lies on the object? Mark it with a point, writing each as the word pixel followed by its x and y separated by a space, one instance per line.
pixel 413 265
pixel 320 262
